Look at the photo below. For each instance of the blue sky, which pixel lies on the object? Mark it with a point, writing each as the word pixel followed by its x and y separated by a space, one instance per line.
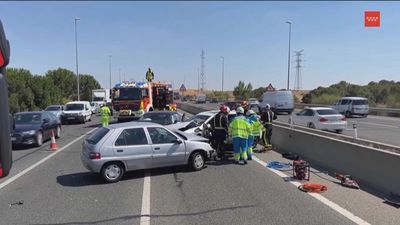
pixel 169 36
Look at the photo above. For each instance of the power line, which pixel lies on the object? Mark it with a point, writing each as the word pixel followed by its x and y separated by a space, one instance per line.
pixel 298 80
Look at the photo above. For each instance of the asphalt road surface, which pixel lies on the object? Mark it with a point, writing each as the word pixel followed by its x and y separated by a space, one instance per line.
pixel 60 190
pixel 375 128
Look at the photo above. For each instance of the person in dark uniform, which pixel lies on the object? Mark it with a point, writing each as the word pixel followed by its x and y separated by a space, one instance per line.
pixel 219 127
pixel 267 116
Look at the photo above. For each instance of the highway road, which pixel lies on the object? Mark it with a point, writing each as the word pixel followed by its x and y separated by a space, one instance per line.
pixel 54 188
pixel 375 128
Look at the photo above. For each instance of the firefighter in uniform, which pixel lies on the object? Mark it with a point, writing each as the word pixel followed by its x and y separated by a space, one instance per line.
pixel 267 117
pixel 219 128
pixel 239 129
pixel 105 115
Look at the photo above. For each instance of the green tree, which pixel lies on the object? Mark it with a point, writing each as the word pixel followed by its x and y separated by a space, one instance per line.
pixel 242 91
pixel 257 93
pixel 88 83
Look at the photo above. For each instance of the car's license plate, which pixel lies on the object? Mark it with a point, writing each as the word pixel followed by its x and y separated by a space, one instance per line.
pixel 13 138
pixel 71 118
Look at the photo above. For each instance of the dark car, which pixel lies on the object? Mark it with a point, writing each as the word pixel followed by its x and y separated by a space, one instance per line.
pixel 33 128
pixel 162 117
pixel 232 104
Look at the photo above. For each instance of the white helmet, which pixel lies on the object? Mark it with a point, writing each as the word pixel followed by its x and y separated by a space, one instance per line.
pixel 267 106
pixel 240 110
pixel 250 112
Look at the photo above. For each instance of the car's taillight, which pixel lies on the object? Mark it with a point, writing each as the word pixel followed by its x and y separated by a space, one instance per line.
pixel 323 119
pixel 94 155
pixel 1 59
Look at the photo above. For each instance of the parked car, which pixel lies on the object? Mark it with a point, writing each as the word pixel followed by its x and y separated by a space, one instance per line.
pixel 162 117
pixel 322 118
pixel 201 99
pixel 95 107
pixel 350 106
pixel 232 104
pixel 56 110
pixel 33 128
pixel 77 111
pixel 253 101
pixel 280 101
pixel 214 100
pixel 119 148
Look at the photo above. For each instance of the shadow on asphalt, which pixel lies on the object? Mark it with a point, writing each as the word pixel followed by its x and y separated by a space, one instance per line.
pixel 125 218
pixel 89 179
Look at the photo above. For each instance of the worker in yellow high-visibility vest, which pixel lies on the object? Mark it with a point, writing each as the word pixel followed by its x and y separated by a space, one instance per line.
pixel 105 115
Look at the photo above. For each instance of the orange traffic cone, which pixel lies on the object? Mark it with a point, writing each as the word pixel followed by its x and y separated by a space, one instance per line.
pixel 53 144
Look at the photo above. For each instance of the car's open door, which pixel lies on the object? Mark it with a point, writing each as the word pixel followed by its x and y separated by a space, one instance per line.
pixel 5 144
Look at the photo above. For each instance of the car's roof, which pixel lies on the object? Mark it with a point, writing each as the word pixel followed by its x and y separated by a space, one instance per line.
pixel 77 102
pixel 354 98
pixel 133 124
pixel 320 108
pixel 161 112
pixel 31 112
pixel 53 106
pixel 208 113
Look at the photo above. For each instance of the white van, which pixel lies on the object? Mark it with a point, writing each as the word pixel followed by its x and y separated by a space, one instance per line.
pixel 201 98
pixel 280 101
pixel 352 106
pixel 77 111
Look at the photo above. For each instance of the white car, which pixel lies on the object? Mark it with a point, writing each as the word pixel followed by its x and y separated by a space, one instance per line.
pixel 80 111
pixel 196 123
pixel 253 101
pixel 322 118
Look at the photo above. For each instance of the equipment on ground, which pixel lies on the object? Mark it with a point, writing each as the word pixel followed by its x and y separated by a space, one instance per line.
pixel 301 170
pixel 313 187
pixel 279 165
pixel 347 181
pixel 290 155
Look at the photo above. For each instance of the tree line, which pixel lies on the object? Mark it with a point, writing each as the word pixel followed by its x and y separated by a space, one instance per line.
pixel 28 92
pixel 382 93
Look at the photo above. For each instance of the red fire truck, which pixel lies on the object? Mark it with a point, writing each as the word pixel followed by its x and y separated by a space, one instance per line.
pixel 130 100
pixel 5 142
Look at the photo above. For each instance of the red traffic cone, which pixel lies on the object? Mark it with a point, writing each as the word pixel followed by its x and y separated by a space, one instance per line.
pixel 53 144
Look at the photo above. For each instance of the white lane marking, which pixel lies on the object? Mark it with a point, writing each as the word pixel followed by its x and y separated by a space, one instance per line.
pixel 20 174
pixel 145 213
pixel 319 197
pixel 375 124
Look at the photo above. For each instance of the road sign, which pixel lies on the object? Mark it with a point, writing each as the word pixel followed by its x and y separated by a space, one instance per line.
pixel 270 87
pixel 182 88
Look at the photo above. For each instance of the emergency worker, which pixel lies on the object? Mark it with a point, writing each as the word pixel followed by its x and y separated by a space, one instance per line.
pixel 239 129
pixel 105 115
pixel 256 128
pixel 267 116
pixel 219 128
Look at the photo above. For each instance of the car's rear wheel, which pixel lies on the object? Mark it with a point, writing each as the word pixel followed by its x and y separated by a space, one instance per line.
pixel 58 132
pixel 311 125
pixel 197 161
pixel 112 172
pixel 339 131
pixel 348 114
pixel 39 139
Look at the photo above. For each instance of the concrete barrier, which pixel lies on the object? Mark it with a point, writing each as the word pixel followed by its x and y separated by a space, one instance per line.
pixel 375 168
pixel 371 166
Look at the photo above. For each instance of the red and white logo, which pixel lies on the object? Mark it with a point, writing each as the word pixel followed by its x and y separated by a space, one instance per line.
pixel 372 18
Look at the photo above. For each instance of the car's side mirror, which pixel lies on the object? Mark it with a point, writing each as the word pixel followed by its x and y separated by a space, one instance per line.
pixel 183 117
pixel 177 141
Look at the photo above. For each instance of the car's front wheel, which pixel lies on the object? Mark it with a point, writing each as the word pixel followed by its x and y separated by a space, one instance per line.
pixel 112 172
pixel 39 139
pixel 197 161
pixel 339 131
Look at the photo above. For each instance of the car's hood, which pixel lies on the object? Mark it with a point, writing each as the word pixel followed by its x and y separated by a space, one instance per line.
pixel 192 137
pixel 178 125
pixel 26 127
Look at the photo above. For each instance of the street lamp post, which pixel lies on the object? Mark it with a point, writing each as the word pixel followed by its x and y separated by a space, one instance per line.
pixel 119 72
pixel 76 54
pixel 109 66
pixel 223 70
pixel 288 68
